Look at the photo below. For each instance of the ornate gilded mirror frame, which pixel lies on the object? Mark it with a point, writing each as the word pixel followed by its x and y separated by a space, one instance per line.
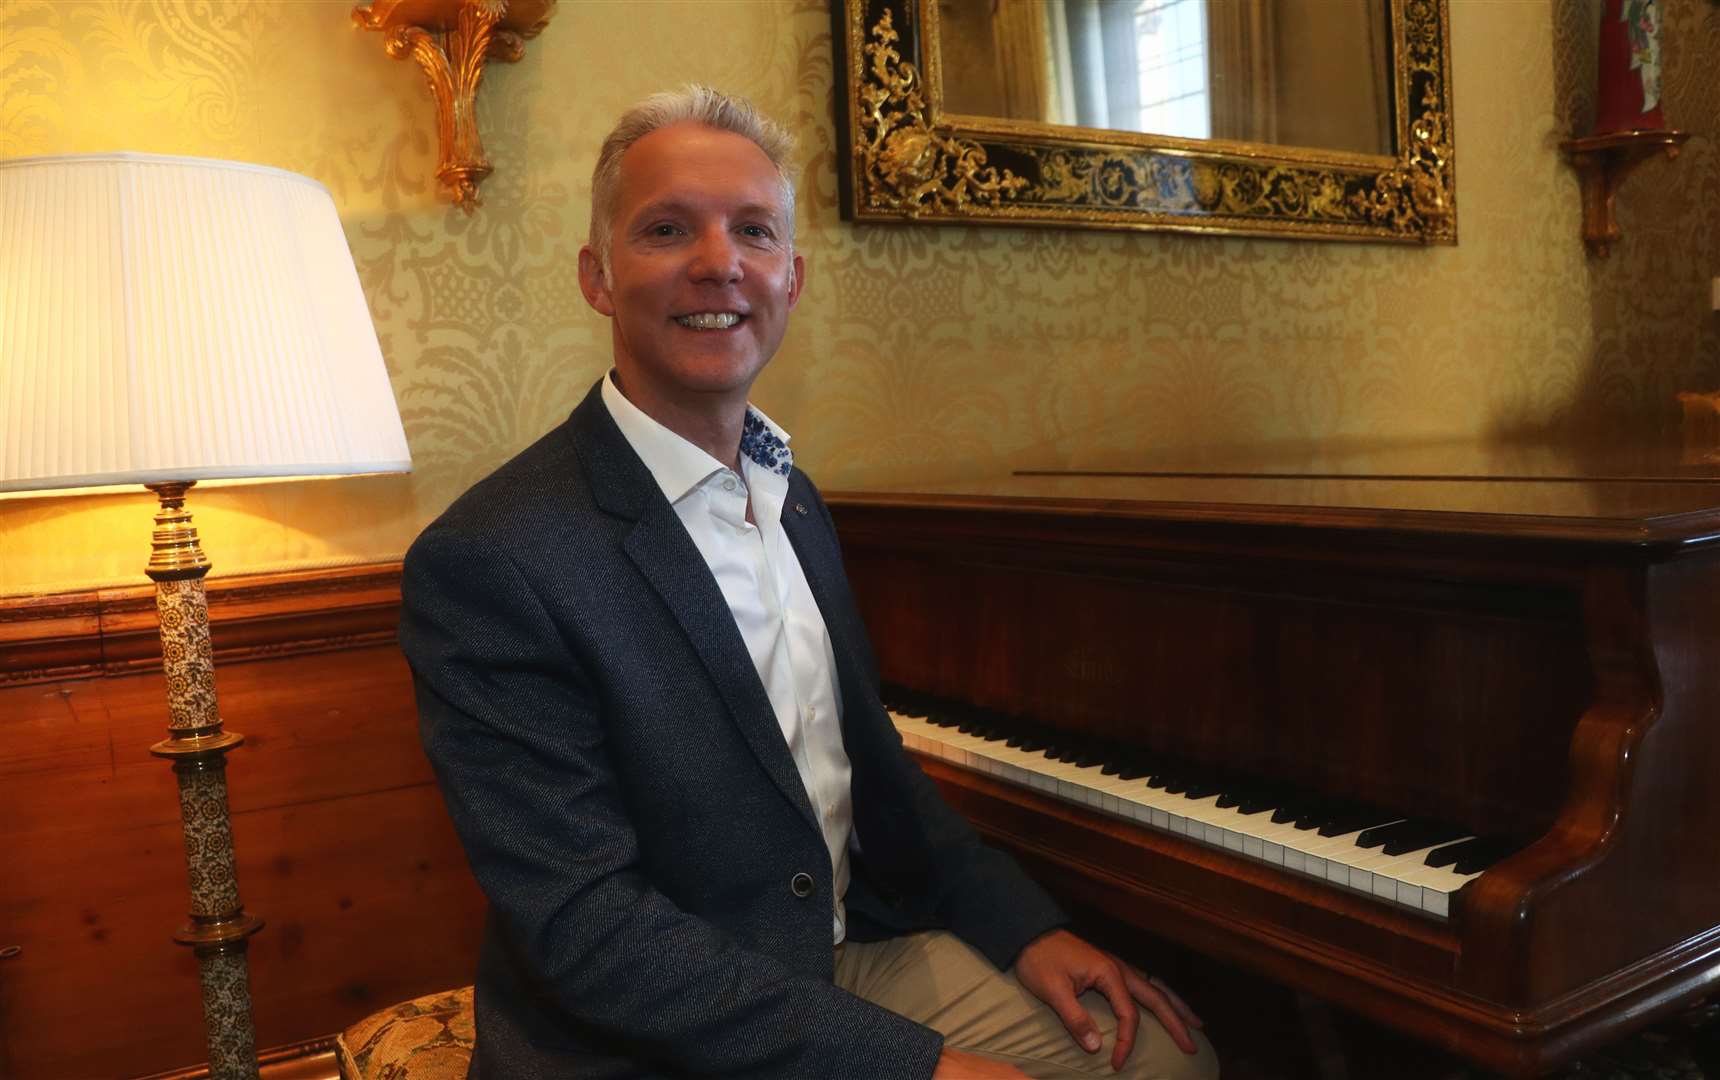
pixel 903 159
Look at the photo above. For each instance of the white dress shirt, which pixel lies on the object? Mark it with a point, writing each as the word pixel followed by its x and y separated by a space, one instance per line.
pixel 773 607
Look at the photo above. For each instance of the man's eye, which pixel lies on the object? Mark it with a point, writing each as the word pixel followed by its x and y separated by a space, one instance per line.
pixel 663 229
pixel 757 232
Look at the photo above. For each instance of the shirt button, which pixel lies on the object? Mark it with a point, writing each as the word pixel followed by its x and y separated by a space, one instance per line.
pixel 729 484
pixel 812 715
pixel 801 885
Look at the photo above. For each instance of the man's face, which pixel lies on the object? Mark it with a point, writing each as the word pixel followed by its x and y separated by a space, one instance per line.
pixel 702 277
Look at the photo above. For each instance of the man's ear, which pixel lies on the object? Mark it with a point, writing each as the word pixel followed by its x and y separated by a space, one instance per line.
pixel 796 279
pixel 593 283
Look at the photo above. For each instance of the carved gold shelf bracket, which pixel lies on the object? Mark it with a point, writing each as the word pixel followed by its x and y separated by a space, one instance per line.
pixel 452 40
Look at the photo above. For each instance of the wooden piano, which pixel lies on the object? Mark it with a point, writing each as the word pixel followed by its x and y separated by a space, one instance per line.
pixel 1185 700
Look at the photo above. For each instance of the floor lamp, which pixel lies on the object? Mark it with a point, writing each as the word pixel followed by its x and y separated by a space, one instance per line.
pixel 165 321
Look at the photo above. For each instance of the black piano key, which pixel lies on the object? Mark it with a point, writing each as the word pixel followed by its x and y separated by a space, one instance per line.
pixel 997 726
pixel 1484 855
pixel 1406 845
pixel 1020 730
pixel 1134 768
pixel 1239 790
pixel 1295 807
pixel 1168 771
pixel 1173 781
pixel 918 705
pixel 1263 798
pixel 1315 812
pixel 1351 818
pixel 1204 785
pixel 1469 856
pixel 978 723
pixel 1450 853
pixel 1248 799
pixel 1091 753
pixel 1402 837
pixel 1380 834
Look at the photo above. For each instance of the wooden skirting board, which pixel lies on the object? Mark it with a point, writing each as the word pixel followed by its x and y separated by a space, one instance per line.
pixel 344 847
pixel 313 1059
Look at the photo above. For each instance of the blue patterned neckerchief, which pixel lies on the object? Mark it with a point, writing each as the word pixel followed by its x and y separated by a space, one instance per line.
pixel 762 445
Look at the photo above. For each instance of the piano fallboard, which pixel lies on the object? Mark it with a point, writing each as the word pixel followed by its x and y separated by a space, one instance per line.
pixel 1532 661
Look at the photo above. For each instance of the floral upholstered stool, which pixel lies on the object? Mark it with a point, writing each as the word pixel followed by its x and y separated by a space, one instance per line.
pixel 427 1038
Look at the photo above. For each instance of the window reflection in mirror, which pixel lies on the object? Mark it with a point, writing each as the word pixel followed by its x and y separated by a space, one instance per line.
pixel 1306 73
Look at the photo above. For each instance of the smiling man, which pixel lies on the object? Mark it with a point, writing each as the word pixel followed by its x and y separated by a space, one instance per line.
pixel 653 711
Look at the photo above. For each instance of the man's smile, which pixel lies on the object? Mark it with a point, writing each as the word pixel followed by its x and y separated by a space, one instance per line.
pixel 710 320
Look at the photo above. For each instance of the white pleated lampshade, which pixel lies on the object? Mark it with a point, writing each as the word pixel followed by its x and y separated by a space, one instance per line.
pixel 167 318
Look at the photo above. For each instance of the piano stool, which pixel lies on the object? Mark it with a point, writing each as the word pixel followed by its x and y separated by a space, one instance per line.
pixel 430 1038
pixel 427 1038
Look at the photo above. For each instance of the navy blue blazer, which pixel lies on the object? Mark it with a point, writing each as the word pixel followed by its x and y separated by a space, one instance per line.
pixel 629 806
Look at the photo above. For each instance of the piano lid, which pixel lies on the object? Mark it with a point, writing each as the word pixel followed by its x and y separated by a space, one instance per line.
pixel 1610 494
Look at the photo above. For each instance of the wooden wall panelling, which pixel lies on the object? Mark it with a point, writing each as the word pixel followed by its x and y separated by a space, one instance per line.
pixel 344 847
pixel 113 629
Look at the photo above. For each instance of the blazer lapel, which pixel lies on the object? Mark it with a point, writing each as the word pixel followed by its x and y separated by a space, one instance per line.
pixel 815 548
pixel 660 547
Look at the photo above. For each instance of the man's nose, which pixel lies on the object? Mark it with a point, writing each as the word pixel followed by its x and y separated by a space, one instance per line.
pixel 716 258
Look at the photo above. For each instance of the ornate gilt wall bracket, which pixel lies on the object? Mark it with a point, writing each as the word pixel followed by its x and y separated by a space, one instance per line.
pixel 451 40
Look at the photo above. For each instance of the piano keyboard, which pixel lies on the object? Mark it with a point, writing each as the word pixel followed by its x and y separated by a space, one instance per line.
pixel 1403 878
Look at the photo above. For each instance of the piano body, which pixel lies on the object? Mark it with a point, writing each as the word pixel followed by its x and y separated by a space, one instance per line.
pixel 1124 679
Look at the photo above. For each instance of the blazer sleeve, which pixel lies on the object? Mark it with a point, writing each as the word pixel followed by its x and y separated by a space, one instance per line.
pixel 977 891
pixel 511 725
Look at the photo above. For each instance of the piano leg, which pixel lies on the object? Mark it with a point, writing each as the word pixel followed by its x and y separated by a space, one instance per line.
pixel 1324 1044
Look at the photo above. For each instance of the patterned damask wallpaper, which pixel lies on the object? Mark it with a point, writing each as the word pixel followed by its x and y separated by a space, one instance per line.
pixel 917 352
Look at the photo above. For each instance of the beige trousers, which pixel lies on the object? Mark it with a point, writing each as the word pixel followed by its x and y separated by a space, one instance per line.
pixel 937 980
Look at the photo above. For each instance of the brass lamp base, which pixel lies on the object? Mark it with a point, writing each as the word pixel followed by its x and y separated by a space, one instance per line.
pixel 197 746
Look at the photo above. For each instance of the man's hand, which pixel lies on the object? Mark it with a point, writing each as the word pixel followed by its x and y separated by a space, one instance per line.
pixel 955 1065
pixel 1059 967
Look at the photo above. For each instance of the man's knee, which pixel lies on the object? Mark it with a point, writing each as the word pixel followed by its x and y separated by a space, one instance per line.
pixel 1156 1057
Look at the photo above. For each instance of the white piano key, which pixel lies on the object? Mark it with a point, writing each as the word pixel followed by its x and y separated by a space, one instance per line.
pixel 1403 880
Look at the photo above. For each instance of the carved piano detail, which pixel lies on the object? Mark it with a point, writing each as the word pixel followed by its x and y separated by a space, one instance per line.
pixel 1125 680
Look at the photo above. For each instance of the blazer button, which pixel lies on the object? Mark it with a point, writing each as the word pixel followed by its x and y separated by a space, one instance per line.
pixel 802 885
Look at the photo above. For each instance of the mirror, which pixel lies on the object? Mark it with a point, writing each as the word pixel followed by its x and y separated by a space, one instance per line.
pixel 1309 73
pixel 1320 118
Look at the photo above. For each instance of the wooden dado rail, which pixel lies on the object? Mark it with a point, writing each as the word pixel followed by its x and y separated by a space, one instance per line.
pixel 344 848
pixel 112 631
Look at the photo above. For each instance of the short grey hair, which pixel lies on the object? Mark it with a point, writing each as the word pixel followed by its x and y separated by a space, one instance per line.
pixel 691 104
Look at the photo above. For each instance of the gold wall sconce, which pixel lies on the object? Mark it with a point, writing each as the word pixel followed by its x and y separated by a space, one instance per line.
pixel 451 40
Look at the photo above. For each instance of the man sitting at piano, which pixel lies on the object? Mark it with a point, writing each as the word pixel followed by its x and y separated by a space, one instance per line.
pixel 654 713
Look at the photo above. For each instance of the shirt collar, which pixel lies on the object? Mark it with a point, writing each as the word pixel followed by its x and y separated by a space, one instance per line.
pixel 766 443
pixel 676 464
